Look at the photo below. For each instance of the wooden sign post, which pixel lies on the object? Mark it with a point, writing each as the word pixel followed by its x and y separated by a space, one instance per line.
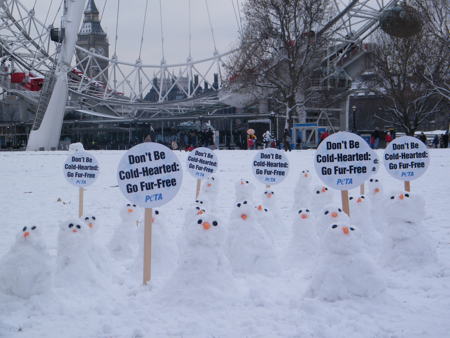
pixel 81 169
pixel 138 170
pixel 148 245
pixel 406 158
pixel 362 189
pixel 344 161
pixel 201 163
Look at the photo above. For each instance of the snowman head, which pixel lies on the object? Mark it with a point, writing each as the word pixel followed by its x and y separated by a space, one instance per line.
pixel 340 239
pixel 243 211
pixel 375 187
pixel 321 192
pixel 129 213
pixel 30 235
pixel 332 214
pixel 305 176
pixel 156 216
pixel 404 206
pixel 211 184
pixel 358 201
pixel 269 195
pixel 206 230
pixel 303 215
pixel 73 228
pixel 244 186
pixel 90 222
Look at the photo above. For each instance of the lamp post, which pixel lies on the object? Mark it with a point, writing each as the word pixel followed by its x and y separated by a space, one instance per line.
pixel 354 118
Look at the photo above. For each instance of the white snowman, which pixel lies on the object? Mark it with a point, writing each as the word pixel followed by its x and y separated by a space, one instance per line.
pixel 244 190
pixel 328 215
pixel 320 197
pixel 302 191
pixel 25 270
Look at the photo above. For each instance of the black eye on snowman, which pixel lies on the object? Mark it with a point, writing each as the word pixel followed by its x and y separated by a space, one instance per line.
pixel 300 211
pixel 265 210
pixel 339 209
pixel 247 182
pixel 24 229
pixel 238 205
pixel 70 225
pixel 156 212
pixel 363 197
pixel 215 223
pixel 317 192
pixel 376 180
pixel 407 195
pixel 326 212
pixel 78 226
pixel 350 198
pixel 200 221
pixel 326 189
pixel 371 180
pixel 197 208
pixel 128 205
pixel 307 210
pixel 134 205
pixel 93 217
pixel 33 228
pixel 392 197
pixel 86 218
pixel 352 229
pixel 212 178
pixel 334 226
pixel 245 202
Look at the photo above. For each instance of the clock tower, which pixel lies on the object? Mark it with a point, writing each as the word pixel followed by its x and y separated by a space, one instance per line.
pixel 93 38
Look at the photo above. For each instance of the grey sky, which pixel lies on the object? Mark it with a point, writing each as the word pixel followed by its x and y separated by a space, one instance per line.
pixel 175 23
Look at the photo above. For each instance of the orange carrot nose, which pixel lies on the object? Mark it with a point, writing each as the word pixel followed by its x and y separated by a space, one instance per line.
pixel 130 210
pixel 401 196
pixel 26 234
pixel 304 216
pixel 206 225
pixel 377 190
pixel 346 230
pixel 90 225
pixel 244 216
pixel 260 207
pixel 74 231
pixel 306 175
pixel 200 212
pixel 209 185
pixel 323 189
pixel 359 200
pixel 242 182
pixel 334 214
pixel 269 195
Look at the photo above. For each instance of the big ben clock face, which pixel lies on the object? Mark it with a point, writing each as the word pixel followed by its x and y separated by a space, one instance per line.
pixel 100 51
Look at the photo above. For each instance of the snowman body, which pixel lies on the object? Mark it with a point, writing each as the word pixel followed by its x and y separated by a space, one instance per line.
pixel 125 236
pixel 376 196
pixel 25 270
pixel 209 192
pixel 274 225
pixel 320 197
pixel 244 190
pixel 302 191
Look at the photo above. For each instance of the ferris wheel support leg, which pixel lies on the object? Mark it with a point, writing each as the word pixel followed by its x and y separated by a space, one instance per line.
pixel 49 132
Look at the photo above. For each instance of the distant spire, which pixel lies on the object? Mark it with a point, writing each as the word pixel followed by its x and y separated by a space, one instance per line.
pixel 91 8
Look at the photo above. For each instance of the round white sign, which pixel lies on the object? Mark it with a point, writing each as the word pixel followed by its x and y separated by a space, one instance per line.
pixel 202 162
pixel 81 169
pixel 406 158
pixel 270 166
pixel 149 175
pixel 344 160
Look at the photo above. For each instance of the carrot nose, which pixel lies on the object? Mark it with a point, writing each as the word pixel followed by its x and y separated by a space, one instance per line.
pixel 206 225
pixel 269 195
pixel 401 196
pixel 304 216
pixel 26 234
pixel 377 190
pixel 244 216
pixel 323 189
pixel 242 182
pixel 260 207
pixel 209 185
pixel 90 225
pixel 346 230
pixel 334 214
pixel 74 230
pixel 200 212
pixel 130 210
pixel 359 200
pixel 306 175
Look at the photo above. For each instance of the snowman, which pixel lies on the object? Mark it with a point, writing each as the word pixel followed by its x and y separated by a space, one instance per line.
pixel 164 247
pixel 244 190
pixel 360 214
pixel 91 223
pixel 124 239
pixel 343 271
pixel 406 243
pixel 320 197
pixel 376 197
pixel 25 269
pixel 209 192
pixel 274 225
pixel 203 271
pixel 328 215
pixel 304 244
pixel 74 264
pixel 302 191
pixel 249 248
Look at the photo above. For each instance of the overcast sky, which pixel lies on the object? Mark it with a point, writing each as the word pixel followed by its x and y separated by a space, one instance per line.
pixel 175 26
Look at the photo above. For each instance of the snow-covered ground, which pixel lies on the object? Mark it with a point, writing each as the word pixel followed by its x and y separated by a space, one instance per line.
pixel 415 303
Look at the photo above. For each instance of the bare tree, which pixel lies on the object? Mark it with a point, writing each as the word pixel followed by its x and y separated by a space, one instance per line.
pixel 280 50
pixel 401 68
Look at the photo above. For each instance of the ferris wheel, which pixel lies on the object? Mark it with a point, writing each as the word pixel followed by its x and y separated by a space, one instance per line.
pixel 41 63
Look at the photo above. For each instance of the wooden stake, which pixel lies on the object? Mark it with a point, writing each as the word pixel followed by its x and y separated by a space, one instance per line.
pixel 81 202
pixel 361 189
pixel 197 191
pixel 267 186
pixel 408 186
pixel 345 203
pixel 148 245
